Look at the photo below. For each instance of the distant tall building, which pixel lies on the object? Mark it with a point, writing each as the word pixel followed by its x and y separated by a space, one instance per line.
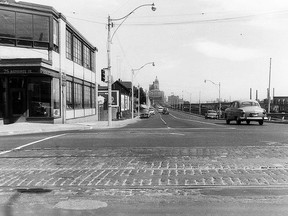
pixel 155 95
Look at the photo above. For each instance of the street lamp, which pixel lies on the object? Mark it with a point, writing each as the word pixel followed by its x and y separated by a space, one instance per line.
pixel 219 85
pixel 109 41
pixel 133 73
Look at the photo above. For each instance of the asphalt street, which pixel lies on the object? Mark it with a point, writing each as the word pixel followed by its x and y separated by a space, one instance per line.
pixel 174 164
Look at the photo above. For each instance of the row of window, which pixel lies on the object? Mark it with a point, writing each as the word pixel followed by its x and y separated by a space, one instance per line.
pixel 31 30
pixel 79 96
pixel 27 30
pixel 78 52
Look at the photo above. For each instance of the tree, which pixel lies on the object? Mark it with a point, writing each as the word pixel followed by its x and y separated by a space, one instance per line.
pixel 142 95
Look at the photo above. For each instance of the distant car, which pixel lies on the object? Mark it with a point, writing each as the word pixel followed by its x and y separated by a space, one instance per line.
pixel 165 111
pixel 245 110
pixel 160 109
pixel 212 114
pixel 144 113
pixel 151 111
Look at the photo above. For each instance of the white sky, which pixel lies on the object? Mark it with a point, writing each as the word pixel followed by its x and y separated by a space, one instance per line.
pixel 226 41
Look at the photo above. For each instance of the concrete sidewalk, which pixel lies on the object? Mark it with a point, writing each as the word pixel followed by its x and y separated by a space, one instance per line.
pixel 87 123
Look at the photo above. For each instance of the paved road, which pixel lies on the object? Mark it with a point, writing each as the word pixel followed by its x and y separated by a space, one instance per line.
pixel 174 164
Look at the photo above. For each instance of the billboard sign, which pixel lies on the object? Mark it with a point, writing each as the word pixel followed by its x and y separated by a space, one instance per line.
pixel 115 97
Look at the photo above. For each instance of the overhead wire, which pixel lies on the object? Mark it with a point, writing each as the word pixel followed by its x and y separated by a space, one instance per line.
pixel 186 22
pixel 122 50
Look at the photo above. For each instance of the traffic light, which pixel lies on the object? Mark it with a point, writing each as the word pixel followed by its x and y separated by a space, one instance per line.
pixel 103 75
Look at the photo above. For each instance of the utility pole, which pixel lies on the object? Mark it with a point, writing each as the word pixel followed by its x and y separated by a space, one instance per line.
pixel 109 41
pixel 109 74
pixel 269 98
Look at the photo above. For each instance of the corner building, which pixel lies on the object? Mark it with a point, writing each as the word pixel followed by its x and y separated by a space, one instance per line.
pixel 47 68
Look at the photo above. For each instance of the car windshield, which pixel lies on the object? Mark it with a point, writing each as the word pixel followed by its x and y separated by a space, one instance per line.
pixel 212 111
pixel 249 103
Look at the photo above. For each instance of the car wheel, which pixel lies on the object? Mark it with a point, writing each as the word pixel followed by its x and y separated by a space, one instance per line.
pixel 238 121
pixel 227 121
pixel 261 122
pixel 248 122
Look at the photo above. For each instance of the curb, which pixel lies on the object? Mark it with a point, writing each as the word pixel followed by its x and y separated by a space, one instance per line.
pixel 44 128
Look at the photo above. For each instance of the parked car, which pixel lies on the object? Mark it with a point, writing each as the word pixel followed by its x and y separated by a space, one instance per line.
pixel 245 110
pixel 151 111
pixel 165 111
pixel 144 113
pixel 211 114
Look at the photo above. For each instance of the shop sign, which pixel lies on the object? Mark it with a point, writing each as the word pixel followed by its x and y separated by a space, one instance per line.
pixel 29 71
pixel 115 97
pixel 19 71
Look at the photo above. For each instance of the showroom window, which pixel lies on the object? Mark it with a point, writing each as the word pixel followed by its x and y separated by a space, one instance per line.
pixel 69 95
pixel 78 96
pixel 39 92
pixel 56 97
pixel 87 96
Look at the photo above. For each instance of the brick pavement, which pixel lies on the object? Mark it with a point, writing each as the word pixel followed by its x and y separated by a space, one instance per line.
pixel 124 168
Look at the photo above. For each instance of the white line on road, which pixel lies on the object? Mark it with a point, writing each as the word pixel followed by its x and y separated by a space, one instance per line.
pixel 163 120
pixel 197 121
pixel 31 143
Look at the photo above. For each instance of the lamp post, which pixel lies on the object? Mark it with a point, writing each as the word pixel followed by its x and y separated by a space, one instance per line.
pixel 133 73
pixel 109 41
pixel 219 85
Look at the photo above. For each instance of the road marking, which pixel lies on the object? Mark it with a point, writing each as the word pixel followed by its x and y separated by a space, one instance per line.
pixel 180 134
pixel 208 123
pixel 163 120
pixel 31 143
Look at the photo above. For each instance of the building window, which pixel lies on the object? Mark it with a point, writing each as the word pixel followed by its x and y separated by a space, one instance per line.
pixel 24 29
pixel 7 23
pixel 39 91
pixel 87 97
pixel 87 57
pixel 56 97
pixel 93 104
pixel 69 45
pixel 3 89
pixel 56 35
pixel 69 95
pixel 78 96
pixel 41 28
pixel 77 50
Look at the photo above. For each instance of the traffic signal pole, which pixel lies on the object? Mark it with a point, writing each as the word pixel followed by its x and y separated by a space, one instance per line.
pixel 109 74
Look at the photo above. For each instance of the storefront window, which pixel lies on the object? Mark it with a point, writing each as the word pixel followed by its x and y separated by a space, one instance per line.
pixel 56 97
pixel 2 97
pixel 78 96
pixel 39 91
pixel 87 97
pixel 93 105
pixel 69 95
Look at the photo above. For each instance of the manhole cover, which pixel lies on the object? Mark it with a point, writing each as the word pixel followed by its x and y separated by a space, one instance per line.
pixel 33 190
